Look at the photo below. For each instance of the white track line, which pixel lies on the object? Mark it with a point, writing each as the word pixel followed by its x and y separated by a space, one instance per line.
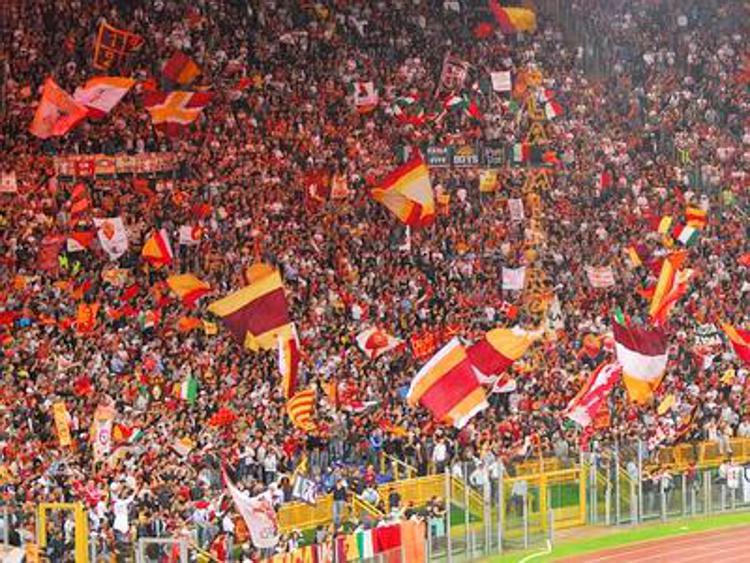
pixel 546 551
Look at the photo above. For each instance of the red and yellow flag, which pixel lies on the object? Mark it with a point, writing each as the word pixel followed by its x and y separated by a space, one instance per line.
pixel 157 251
pixel 258 313
pixel 740 340
pixel 57 112
pixel 407 193
pixel 188 287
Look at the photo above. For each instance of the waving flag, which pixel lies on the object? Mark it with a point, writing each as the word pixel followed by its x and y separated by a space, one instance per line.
pixel 685 234
pixel 584 407
pixel 188 287
pixel 112 236
pixel 499 348
pixel 643 355
pixel 181 69
pixel 102 93
pixel 740 340
pixel 289 358
pixel 257 313
pixel 258 513
pixel 113 45
pixel 448 387
pixel 407 193
pixel 374 342
pixel 57 112
pixel 300 410
pixel 512 20
pixel 157 251
pixel 696 217
pixel 672 285
pixel 172 112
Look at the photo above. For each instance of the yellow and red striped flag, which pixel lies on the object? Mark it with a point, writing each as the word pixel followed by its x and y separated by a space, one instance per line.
pixel 300 409
pixel 289 357
pixel 407 193
pixel 157 251
pixel 448 387
pixel 696 217
pixel 258 313
pixel 180 68
pixel 188 287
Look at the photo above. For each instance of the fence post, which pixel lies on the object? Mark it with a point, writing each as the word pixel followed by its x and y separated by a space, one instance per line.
pixel 608 496
pixel 707 491
pixel 662 499
pixel 467 514
pixel 640 481
pixel 500 507
pixel 550 519
pixel 582 489
pixel 525 517
pixel 617 484
pixel 487 512
pixel 449 543
pixel 6 525
pixel 683 493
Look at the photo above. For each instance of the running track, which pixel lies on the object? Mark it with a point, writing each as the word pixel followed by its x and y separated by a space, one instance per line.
pixel 720 546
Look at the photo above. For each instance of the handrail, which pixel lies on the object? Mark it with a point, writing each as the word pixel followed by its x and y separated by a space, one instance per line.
pixel 359 502
pixel 410 470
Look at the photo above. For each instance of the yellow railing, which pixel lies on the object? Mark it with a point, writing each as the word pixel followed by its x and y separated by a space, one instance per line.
pixel 704 454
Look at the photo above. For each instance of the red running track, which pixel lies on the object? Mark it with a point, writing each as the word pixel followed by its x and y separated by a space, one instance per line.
pixel 720 546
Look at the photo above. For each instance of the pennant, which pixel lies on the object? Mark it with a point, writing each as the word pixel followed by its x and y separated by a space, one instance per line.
pixel 57 112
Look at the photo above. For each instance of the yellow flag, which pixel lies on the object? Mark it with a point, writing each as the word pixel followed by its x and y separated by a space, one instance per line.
pixel 61 423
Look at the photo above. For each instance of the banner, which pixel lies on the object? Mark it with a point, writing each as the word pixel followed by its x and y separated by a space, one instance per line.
pixel 8 183
pixel 494 156
pixel 304 489
pixel 487 181
pixel 454 73
pixel 601 277
pixel 465 156
pixel 501 81
pixel 105 165
pixel 438 156
pixel 60 413
pixel 514 279
pixel 102 431
pixel 515 208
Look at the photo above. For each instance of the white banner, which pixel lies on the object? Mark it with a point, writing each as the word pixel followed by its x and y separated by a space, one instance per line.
pixel 514 279
pixel 501 81
pixel 515 208
pixel 601 277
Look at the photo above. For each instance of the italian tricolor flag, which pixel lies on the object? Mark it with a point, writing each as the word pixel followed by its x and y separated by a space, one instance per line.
pixel 685 234
pixel 189 389
pixel 521 152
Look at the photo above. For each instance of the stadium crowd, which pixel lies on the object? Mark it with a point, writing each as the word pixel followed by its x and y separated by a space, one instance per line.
pixel 666 121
